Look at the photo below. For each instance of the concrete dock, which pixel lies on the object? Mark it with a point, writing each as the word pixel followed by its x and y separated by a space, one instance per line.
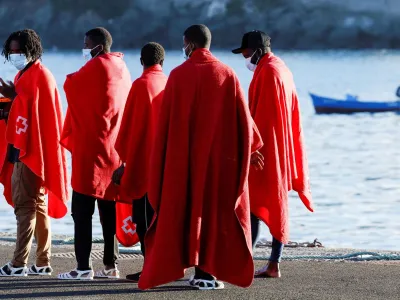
pixel 301 279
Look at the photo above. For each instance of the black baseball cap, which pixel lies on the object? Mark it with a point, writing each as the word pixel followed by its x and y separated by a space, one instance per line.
pixel 253 40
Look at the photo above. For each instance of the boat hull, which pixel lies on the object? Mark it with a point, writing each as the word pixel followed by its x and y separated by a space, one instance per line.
pixel 323 105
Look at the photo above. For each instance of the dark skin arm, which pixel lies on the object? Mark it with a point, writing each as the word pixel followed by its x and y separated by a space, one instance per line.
pixel 117 175
pixel 257 160
pixel 7 89
pixel 4 114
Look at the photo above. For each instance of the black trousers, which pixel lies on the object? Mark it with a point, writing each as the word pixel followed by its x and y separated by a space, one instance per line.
pixel 82 211
pixel 142 214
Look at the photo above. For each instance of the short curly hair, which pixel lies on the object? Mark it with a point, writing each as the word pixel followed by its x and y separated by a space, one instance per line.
pixel 199 34
pixel 152 54
pixel 29 43
pixel 101 36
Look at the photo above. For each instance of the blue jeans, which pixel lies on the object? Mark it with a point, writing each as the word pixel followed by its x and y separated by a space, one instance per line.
pixel 277 246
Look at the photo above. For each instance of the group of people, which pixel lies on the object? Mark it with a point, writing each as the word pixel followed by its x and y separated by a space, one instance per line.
pixel 201 167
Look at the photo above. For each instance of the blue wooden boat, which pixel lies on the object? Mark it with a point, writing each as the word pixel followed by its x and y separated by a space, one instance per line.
pixel 351 105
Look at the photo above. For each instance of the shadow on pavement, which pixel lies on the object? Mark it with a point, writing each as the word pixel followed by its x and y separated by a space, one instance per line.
pixel 110 287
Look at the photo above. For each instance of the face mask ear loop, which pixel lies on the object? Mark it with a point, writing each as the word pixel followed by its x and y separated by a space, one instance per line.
pixel 258 59
pixel 191 51
pixel 97 52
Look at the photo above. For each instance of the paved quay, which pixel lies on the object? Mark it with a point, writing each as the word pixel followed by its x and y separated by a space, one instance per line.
pixel 301 279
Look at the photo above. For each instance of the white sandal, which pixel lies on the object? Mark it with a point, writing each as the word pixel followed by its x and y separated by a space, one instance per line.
pixel 192 281
pixel 43 271
pixel 111 274
pixel 9 271
pixel 79 275
pixel 206 285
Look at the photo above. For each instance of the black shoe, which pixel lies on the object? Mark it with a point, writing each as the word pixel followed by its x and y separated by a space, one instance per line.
pixel 134 277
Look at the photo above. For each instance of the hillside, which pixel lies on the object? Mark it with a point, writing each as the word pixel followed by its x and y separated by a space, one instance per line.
pixel 298 24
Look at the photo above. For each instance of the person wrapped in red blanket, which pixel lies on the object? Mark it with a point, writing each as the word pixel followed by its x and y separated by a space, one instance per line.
pixel 275 109
pixel 96 96
pixel 198 175
pixel 33 163
pixel 135 139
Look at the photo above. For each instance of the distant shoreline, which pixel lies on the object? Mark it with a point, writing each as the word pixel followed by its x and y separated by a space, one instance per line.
pixel 218 49
pixel 295 25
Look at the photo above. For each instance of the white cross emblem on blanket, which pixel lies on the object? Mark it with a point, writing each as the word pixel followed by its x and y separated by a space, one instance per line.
pixel 22 125
pixel 127 228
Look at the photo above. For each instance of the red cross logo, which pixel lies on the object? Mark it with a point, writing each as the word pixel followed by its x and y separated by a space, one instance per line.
pixel 22 125
pixel 128 226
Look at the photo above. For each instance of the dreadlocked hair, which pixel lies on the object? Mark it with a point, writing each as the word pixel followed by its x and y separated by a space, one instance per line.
pixel 29 43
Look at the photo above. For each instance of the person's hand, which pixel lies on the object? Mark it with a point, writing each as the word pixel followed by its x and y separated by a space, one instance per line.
pixel 117 175
pixel 257 160
pixel 7 89
pixel 3 114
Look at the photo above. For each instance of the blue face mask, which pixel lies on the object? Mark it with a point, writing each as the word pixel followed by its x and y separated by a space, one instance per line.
pixel 87 53
pixel 19 61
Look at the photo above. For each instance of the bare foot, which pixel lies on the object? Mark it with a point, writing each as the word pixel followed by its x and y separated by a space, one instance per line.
pixel 273 270
pixel 270 270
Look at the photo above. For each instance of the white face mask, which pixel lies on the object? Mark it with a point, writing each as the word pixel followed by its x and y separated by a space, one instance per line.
pixel 249 64
pixel 87 55
pixel 184 52
pixel 19 61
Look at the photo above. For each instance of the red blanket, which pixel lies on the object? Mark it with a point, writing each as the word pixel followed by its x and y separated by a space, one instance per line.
pixel 136 134
pixel 198 175
pixel 34 127
pixel 126 230
pixel 134 144
pixel 275 109
pixel 96 97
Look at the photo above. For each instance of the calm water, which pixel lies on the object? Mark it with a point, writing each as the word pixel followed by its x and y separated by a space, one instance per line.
pixel 354 160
